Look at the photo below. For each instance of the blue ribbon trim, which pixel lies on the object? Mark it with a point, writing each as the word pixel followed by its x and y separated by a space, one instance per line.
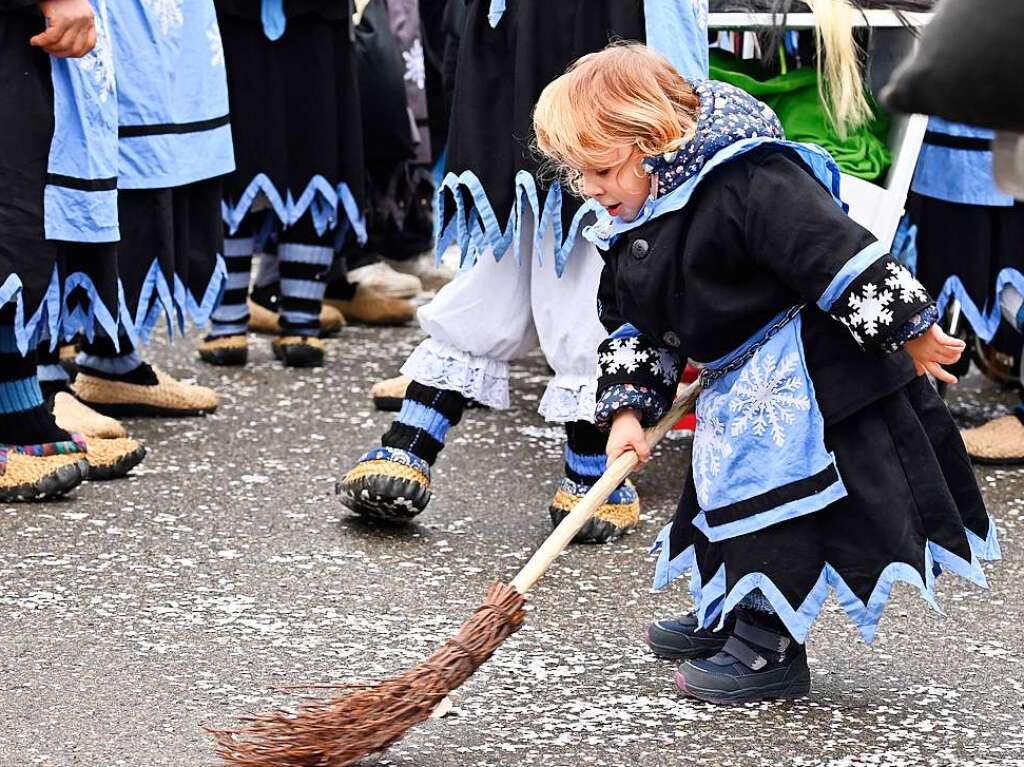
pixel 984 322
pixel 712 602
pixel 323 201
pixel 798 508
pixel 158 298
pixel 475 225
pixel 851 270
pixel 44 322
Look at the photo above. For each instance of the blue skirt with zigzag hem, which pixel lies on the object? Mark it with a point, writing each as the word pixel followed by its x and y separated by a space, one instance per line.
pixel 57 289
pixel 967 253
pixel 492 177
pixel 170 258
pixel 913 511
pixel 296 128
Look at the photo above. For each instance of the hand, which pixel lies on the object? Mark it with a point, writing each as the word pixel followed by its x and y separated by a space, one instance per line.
pixel 932 350
pixel 627 434
pixel 71 29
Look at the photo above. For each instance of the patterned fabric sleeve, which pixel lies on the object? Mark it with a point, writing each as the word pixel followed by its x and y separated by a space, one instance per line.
pixel 637 374
pixel 913 328
pixel 878 303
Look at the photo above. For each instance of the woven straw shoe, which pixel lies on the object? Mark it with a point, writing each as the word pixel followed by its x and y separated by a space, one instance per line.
pixel 167 398
pixel 112 458
pixel 72 415
pixel 388 395
pixel 35 478
pixel 1000 441
pixel 232 351
pixel 299 351
pixel 370 307
pixel 613 519
pixel 268 322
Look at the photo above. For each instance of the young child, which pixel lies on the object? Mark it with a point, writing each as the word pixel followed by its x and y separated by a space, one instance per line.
pixel 823 457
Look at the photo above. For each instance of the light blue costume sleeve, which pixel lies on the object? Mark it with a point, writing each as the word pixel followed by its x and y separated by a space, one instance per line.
pixel 273 18
pixel 678 30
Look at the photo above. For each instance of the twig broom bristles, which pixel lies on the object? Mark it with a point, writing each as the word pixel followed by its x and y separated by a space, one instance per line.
pixel 341 731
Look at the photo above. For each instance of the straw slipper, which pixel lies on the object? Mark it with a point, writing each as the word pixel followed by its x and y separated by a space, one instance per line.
pixel 41 472
pixel 72 416
pixel 167 398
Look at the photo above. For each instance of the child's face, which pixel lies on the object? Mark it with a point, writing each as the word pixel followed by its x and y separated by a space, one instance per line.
pixel 621 186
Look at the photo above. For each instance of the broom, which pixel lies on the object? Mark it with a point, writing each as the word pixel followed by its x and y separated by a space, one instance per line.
pixel 341 731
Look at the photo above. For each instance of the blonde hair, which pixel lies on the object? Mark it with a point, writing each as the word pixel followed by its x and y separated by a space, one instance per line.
pixel 626 96
pixel 840 84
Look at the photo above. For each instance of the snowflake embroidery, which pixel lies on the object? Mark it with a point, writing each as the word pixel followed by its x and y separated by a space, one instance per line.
pixel 870 309
pixel 902 280
pixel 666 365
pixel 624 355
pixel 99 63
pixel 415 69
pixel 710 447
pixel 765 397
pixel 168 13
pixel 216 45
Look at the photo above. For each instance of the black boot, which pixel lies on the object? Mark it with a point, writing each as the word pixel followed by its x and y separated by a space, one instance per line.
pixel 760 661
pixel 683 638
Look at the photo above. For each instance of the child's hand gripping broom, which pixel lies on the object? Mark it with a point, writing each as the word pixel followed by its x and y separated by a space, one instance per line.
pixel 341 731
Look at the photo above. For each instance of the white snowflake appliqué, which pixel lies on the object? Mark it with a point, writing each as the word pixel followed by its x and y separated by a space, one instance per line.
pixel 901 279
pixel 216 45
pixel 415 69
pixel 99 63
pixel 766 396
pixel 624 355
pixel 710 447
pixel 168 13
pixel 666 365
pixel 869 309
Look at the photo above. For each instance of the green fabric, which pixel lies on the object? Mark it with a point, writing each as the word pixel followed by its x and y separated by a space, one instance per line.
pixel 794 97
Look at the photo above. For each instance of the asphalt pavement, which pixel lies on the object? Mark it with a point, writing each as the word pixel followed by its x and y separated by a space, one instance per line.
pixel 137 611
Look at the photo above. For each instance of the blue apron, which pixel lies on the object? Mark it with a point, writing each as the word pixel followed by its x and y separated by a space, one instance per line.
pixel 80 198
pixel 173 93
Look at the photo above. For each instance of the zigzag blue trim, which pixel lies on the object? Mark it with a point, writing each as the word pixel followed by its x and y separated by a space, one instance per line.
pixel 322 200
pixel 27 333
pixel 712 602
pixel 984 323
pixel 84 320
pixel 475 225
pixel 175 304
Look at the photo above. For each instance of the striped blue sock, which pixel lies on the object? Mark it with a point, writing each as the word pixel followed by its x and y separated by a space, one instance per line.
pixel 303 271
pixel 231 317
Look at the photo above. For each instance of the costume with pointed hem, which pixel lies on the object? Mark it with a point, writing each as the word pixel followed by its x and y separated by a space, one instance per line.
pixel 821 461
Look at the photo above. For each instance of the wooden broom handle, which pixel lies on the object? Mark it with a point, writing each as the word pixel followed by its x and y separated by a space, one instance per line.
pixel 613 476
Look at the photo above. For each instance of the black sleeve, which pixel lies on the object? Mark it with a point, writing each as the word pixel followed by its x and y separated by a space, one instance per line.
pixel 794 228
pixel 16 5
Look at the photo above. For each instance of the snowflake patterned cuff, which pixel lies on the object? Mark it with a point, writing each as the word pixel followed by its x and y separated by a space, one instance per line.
pixel 913 328
pixel 637 361
pixel 648 404
pixel 879 302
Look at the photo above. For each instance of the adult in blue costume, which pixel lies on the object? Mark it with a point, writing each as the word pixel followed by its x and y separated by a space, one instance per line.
pixel 58 229
pixel 298 187
pixel 174 145
pixel 970 248
pixel 529 279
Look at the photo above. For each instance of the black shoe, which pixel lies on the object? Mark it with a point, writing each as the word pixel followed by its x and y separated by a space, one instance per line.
pixel 756 663
pixel 683 638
